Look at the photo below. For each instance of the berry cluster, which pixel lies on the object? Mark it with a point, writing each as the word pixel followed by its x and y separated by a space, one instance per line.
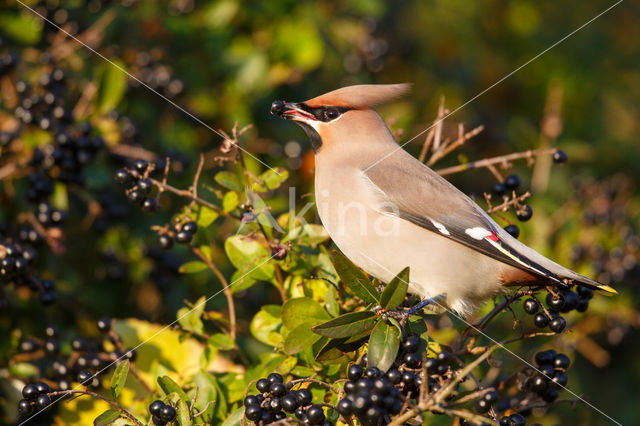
pixel 161 413
pixel 156 75
pixel 36 398
pixel 84 364
pixel 182 234
pixel 374 396
pixel 563 301
pixel 276 399
pixel 138 184
pixel 16 268
pixel 552 375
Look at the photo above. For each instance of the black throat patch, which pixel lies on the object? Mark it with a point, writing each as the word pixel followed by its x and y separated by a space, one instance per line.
pixel 314 137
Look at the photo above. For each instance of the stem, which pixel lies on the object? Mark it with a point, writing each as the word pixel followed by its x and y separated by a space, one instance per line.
pixel 225 289
pixel 95 395
pixel 316 381
pixel 496 160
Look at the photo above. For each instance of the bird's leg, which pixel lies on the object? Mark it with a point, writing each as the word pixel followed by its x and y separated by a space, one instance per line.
pixel 404 315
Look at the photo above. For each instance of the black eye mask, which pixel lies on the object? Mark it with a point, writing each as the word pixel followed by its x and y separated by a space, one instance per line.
pixel 324 114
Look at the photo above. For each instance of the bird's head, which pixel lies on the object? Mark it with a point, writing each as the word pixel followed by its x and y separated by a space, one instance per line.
pixel 345 111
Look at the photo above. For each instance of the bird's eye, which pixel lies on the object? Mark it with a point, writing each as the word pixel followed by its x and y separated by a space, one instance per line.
pixel 331 114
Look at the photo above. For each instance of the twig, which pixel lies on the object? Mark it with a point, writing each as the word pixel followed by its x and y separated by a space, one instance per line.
pixel 496 160
pixel 448 148
pixel 316 381
pixel 95 395
pixel 225 288
pixel 506 204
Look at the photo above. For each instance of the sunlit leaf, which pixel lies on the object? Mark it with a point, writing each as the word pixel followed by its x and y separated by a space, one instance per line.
pixel 168 385
pixel 119 377
pixel 266 324
pixel 300 310
pixel 249 256
pixel 229 180
pixel 192 267
pixel 300 338
pixel 107 418
pixel 112 83
pixel 230 201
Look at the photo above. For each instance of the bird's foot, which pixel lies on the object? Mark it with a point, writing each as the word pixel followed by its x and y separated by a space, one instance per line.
pixel 402 315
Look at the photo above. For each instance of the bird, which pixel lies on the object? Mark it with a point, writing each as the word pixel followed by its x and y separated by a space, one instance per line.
pixel 386 210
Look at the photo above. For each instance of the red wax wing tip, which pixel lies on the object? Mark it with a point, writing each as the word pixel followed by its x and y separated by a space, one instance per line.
pixel 492 237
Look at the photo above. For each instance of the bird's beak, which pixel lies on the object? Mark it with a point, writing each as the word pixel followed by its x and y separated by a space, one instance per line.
pixel 291 111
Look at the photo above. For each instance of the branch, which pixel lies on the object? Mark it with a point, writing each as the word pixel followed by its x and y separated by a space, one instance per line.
pixel 114 404
pixel 496 160
pixel 225 289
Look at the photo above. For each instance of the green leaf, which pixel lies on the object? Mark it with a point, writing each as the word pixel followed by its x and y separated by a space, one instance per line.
pixel 206 392
pixel 192 267
pixel 300 338
pixel 248 254
pixel 265 325
pixel 203 215
pixel 347 325
pixel 167 385
pixel 270 180
pixel 183 415
pixel 221 341
pixel 300 310
pixel 394 293
pixel 112 83
pixel 107 417
pixel 190 318
pixel 354 279
pixel 229 180
pixel 230 201
pixel 22 27
pixel 235 419
pixel 119 378
pixel 383 346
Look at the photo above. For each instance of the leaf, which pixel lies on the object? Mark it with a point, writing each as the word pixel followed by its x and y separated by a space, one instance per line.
pixel 229 180
pixel 354 279
pixel 23 28
pixel 235 419
pixel 183 415
pixel 347 325
pixel 168 385
pixel 107 417
pixel 300 338
pixel 301 310
pixel 265 325
pixel 248 254
pixel 119 378
pixel 192 267
pixel 203 215
pixel 270 180
pixel 111 87
pixel 230 201
pixel 383 346
pixel 221 341
pixel 190 318
pixel 206 392
pixel 394 293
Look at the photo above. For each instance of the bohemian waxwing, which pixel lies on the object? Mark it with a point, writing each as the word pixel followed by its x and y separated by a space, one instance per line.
pixel 386 210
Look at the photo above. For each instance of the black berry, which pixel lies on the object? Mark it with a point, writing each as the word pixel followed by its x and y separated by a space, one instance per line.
pixel 531 306
pixel 512 182
pixel 524 213
pixel 557 324
pixel 559 157
pixel 513 230
pixel 354 372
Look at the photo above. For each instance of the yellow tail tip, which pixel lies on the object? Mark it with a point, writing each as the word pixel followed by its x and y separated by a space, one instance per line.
pixel 607 289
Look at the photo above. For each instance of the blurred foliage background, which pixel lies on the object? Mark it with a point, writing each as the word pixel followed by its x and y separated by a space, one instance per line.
pixel 225 61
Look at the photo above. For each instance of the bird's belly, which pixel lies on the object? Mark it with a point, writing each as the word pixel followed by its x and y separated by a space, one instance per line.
pixel 383 245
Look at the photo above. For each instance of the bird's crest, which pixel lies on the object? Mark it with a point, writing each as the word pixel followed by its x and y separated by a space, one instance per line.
pixel 361 96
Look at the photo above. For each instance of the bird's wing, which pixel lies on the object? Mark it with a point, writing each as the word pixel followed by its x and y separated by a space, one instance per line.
pixel 410 190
